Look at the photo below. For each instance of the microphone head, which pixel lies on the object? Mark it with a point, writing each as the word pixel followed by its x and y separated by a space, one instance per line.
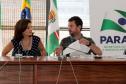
pixel 68 55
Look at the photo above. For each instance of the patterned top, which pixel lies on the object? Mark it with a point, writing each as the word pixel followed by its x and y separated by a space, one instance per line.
pixel 18 49
pixel 68 40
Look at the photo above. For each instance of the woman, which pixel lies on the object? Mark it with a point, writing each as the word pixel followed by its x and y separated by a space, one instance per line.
pixel 24 42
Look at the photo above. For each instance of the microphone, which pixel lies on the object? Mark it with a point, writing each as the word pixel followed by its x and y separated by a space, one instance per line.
pixel 68 55
pixel 71 65
pixel 18 56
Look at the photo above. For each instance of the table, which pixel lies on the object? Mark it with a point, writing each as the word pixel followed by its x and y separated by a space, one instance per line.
pixel 44 70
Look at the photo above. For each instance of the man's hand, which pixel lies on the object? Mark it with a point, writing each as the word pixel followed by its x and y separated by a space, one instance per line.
pixel 84 41
pixel 96 50
pixel 58 51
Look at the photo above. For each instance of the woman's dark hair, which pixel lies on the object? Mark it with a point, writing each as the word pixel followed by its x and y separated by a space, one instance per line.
pixel 20 27
pixel 78 21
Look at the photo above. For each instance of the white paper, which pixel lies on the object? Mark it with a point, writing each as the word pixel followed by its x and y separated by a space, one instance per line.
pixel 76 49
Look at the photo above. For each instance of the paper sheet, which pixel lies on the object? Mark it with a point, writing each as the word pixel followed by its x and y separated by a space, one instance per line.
pixel 76 48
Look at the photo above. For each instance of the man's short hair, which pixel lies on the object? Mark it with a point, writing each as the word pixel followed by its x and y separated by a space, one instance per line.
pixel 78 21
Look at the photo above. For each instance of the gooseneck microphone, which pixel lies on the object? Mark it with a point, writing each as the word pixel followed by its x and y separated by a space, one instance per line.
pixel 19 55
pixel 71 65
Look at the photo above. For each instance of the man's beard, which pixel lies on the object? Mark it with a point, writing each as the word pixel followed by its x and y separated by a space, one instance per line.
pixel 72 34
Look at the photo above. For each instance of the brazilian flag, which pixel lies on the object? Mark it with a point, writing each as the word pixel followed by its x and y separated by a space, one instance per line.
pixel 26 9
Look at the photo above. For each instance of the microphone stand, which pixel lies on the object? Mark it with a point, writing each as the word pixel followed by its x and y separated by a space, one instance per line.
pixel 71 65
pixel 73 70
pixel 19 59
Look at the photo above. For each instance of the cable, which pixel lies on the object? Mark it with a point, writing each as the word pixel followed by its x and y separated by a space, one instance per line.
pixel 61 63
pixel 19 79
pixel 73 71
pixel 59 71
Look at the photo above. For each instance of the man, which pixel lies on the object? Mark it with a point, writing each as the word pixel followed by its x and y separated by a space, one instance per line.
pixel 75 25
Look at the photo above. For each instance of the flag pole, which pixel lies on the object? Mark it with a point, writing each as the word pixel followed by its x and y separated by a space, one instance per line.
pixel 47 13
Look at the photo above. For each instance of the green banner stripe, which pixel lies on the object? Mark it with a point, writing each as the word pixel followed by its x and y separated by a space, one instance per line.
pixel 28 1
pixel 55 3
pixel 111 25
pixel 52 44
pixel 123 13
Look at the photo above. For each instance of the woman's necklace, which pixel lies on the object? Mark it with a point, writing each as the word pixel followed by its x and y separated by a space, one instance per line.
pixel 26 48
